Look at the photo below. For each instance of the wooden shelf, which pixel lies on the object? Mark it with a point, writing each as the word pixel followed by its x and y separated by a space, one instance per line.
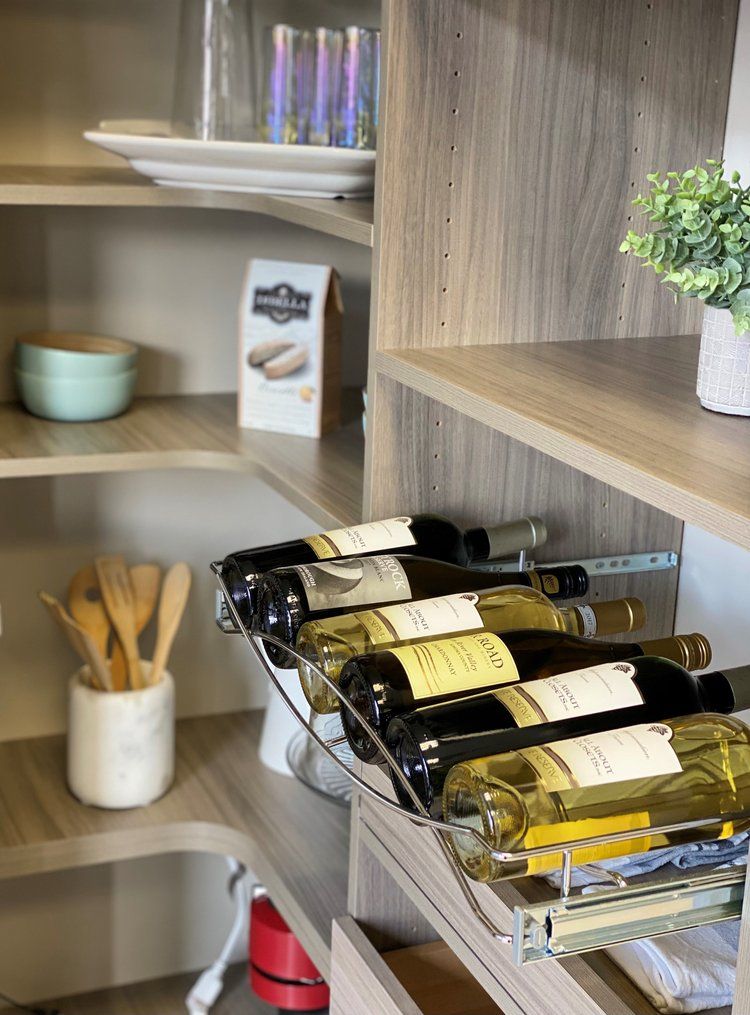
pixel 622 411
pixel 163 997
pixel 323 478
pixel 84 186
pixel 223 801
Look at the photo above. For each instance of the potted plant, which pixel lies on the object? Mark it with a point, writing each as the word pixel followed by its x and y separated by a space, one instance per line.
pixel 700 246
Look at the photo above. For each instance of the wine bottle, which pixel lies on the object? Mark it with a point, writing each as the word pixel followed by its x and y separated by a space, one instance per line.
pixel 332 642
pixel 560 793
pixel 429 741
pixel 454 671
pixel 291 596
pixel 426 535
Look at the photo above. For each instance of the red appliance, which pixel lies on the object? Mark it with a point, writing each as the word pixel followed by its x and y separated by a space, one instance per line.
pixel 281 972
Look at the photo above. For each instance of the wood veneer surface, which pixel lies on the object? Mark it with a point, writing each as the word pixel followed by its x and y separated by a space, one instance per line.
pixel 99 186
pixel 223 801
pixel 323 477
pixel 624 412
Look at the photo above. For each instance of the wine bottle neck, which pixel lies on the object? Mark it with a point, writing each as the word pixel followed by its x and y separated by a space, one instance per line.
pixel 495 542
pixel 737 680
pixel 717 692
pixel 613 617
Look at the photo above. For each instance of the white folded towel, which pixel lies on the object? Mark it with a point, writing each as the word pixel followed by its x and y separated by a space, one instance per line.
pixel 685 972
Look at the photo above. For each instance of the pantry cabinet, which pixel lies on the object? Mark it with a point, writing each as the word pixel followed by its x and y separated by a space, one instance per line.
pixel 517 364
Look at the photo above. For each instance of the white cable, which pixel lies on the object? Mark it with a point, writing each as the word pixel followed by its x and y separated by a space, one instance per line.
pixel 210 983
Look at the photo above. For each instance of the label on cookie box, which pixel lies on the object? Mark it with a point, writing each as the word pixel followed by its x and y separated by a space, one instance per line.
pixel 289 330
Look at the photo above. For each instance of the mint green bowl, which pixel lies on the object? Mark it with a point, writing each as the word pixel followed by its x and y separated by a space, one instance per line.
pixel 74 355
pixel 76 400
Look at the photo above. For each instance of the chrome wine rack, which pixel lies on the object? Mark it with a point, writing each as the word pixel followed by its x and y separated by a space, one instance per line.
pixel 565 925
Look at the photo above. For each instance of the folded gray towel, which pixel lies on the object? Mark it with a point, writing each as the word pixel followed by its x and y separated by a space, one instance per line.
pixel 692 854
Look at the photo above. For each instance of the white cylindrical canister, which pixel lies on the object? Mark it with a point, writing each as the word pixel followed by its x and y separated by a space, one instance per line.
pixel 120 744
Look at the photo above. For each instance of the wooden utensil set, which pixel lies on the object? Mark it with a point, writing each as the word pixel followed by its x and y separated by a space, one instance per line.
pixel 111 603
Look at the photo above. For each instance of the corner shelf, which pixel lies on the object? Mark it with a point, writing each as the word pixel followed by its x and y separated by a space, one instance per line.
pixel 322 477
pixel 622 411
pixel 224 801
pixel 164 997
pixel 95 186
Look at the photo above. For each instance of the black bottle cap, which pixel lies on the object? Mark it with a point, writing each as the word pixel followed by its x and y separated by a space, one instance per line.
pixel 570 581
pixel 737 681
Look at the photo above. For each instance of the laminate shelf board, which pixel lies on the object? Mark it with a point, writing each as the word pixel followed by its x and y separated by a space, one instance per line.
pixel 623 411
pixel 96 186
pixel 162 997
pixel 322 477
pixel 224 801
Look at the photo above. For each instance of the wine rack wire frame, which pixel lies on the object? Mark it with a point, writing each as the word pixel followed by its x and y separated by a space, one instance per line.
pixel 562 926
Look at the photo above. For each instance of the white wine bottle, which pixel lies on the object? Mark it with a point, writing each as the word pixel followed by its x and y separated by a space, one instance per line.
pixel 560 793
pixel 330 642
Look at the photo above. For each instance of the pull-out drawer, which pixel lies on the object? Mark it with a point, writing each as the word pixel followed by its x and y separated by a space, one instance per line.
pixel 421 980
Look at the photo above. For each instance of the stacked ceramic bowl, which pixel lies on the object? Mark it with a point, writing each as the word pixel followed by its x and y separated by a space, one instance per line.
pixel 75 377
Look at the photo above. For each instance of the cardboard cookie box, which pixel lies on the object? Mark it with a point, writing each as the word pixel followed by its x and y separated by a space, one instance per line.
pixel 290 348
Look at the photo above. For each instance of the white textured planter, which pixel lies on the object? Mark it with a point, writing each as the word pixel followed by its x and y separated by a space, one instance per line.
pixel 724 365
pixel 120 744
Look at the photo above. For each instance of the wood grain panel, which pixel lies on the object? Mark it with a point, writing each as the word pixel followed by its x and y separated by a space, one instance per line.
pixel 389 917
pixel 433 458
pixel 97 186
pixel 422 980
pixel 322 477
pixel 515 136
pixel 361 983
pixel 223 801
pixel 624 412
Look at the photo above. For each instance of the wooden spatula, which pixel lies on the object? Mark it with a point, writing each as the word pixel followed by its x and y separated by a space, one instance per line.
pixel 144 580
pixel 114 581
pixel 86 607
pixel 81 641
pixel 174 595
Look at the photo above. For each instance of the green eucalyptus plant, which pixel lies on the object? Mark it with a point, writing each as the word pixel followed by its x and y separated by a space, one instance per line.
pixel 701 244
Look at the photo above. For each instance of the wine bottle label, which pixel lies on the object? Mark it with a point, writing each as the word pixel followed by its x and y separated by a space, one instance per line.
pixel 369 538
pixel 357 582
pixel 547 583
pixel 581 692
pixel 427 618
pixel 588 621
pixel 636 752
pixel 471 662
pixel 564 835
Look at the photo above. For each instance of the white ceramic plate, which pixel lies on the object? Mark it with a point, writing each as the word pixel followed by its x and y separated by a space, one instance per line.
pixel 249 167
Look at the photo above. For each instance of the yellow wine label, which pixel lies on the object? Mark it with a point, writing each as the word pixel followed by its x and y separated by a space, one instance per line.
pixel 587 828
pixel 426 618
pixel 341 584
pixel 469 663
pixel 635 752
pixel 601 688
pixel 357 539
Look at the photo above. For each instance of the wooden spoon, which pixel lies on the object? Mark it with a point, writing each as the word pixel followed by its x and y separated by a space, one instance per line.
pixel 114 581
pixel 81 641
pixel 86 606
pixel 174 594
pixel 144 579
